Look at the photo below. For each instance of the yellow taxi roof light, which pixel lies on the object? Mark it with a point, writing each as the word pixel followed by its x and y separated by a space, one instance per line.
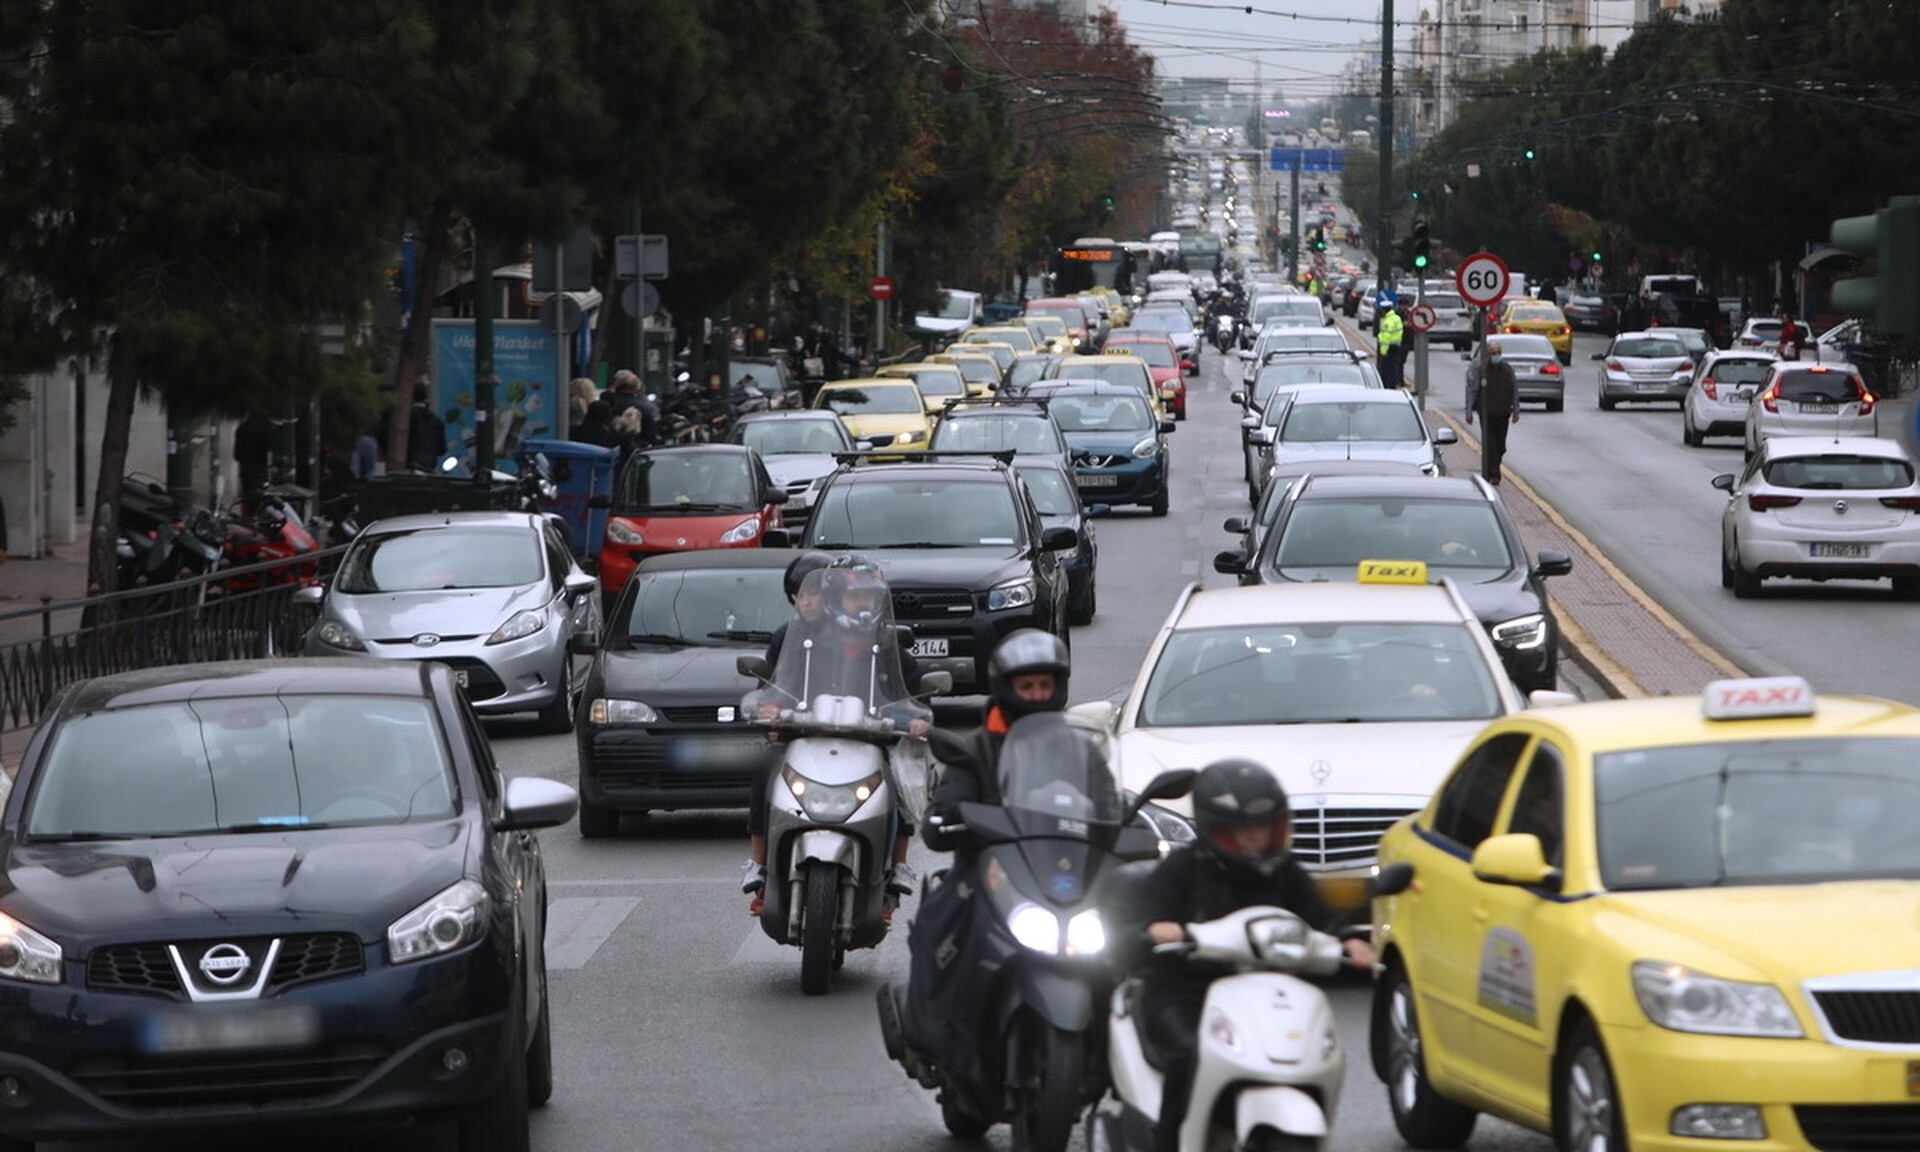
pixel 1759 698
pixel 1392 572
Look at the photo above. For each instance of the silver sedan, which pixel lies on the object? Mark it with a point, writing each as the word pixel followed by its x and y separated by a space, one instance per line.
pixel 1822 508
pixel 495 595
pixel 1641 366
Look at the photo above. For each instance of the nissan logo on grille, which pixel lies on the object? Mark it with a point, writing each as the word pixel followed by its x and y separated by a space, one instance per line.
pixel 225 964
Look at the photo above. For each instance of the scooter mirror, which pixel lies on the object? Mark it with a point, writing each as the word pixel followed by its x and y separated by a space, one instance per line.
pixel 1166 786
pixel 754 666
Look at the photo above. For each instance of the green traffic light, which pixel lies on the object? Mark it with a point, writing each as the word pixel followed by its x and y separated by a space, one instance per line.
pixel 1419 261
pixel 1529 153
pixel 1596 258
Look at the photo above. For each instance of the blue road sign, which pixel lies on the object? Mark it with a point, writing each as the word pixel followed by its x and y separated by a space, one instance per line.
pixel 1310 159
pixel 1387 299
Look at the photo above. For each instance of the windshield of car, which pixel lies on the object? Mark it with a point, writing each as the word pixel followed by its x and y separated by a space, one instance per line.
pixel 706 480
pixel 1736 371
pixel 1154 353
pixel 1302 307
pixel 716 606
pixel 1839 472
pixel 241 764
pixel 1052 494
pixel 780 437
pixel 1339 534
pixel 1069 315
pixel 1818 386
pixel 1100 414
pixel 1051 327
pixel 1328 423
pixel 997 433
pixel 1319 673
pixel 1026 370
pixel 1163 321
pixel 442 557
pixel 1517 346
pixel 917 513
pixel 957 306
pixel 1285 374
pixel 982 369
pixel 1019 339
pixel 1313 340
pixel 1114 370
pixel 937 382
pixel 872 400
pixel 1757 812
pixel 1650 349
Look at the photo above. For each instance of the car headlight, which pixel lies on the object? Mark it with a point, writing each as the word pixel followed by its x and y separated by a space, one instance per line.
pixel 741 533
pixel 602 710
pixel 1147 448
pixel 624 535
pixel 337 635
pixel 453 919
pixel 26 955
pixel 1677 997
pixel 910 437
pixel 1012 594
pixel 1523 632
pixel 519 626
pixel 1168 825
pixel 829 802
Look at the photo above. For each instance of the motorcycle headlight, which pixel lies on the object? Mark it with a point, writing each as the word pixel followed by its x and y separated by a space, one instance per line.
pixel 519 626
pixel 741 533
pixel 1683 1000
pixel 1012 594
pixel 453 919
pixel 603 710
pixel 829 802
pixel 623 534
pixel 1524 632
pixel 26 955
pixel 1086 934
pixel 337 635
pixel 1147 448
pixel 1035 928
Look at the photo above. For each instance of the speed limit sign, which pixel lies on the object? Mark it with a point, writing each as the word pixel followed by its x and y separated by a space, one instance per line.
pixel 1482 279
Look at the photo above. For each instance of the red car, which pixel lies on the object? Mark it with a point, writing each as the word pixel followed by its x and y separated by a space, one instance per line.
pixel 1169 371
pixel 686 497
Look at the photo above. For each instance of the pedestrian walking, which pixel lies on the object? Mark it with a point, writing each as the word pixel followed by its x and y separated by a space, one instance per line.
pixel 1390 333
pixel 1493 395
pixel 426 432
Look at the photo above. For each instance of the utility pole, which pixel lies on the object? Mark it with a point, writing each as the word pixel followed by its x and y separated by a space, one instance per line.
pixel 482 361
pixel 1382 239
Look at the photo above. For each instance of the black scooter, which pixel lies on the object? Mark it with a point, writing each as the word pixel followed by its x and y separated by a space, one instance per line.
pixel 1015 1029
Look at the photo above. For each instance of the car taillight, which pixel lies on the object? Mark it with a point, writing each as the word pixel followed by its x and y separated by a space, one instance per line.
pixel 1511 329
pixel 1615 366
pixel 1904 503
pixel 1867 401
pixel 1563 330
pixel 1550 369
pixel 1764 503
pixel 1711 387
pixel 1770 399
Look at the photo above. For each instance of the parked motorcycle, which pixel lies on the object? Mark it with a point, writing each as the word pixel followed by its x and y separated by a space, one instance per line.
pixel 160 540
pixel 1009 984
pixel 837 704
pixel 1269 1064
pixel 274 530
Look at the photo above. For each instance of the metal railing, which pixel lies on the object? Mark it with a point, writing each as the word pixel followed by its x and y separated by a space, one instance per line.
pixel 232 614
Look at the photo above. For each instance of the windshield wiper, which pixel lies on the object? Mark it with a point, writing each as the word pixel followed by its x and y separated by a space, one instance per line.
pixel 82 835
pixel 692 506
pixel 921 544
pixel 753 634
pixel 659 638
pixel 284 824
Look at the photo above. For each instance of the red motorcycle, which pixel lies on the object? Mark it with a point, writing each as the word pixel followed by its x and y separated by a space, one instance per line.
pixel 274 531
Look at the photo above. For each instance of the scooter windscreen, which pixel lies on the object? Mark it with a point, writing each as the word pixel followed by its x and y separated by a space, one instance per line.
pixel 839 662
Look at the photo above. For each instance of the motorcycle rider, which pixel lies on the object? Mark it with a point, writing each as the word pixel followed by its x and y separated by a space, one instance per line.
pixel 1239 858
pixel 1221 310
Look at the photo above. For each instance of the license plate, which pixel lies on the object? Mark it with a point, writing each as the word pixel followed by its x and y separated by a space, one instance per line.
pixel 1818 409
pixel 934 646
pixel 696 753
pixel 460 677
pixel 1650 385
pixel 1841 551
pixel 1099 480
pixel 228 1030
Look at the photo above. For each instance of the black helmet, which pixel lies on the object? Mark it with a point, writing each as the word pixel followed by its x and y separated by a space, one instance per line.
pixel 802 565
pixel 1232 794
pixel 1026 651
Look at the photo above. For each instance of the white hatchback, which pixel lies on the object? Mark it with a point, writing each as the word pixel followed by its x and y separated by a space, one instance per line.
pixel 1802 399
pixel 1822 508
pixel 1721 392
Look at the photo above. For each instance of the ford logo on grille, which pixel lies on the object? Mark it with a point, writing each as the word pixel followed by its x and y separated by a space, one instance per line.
pixel 425 640
pixel 224 963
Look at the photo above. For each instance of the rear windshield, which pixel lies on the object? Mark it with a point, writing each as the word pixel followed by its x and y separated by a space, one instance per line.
pixel 1741 371
pixel 1810 386
pixel 1650 349
pixel 996 434
pixel 1839 472
pixel 1158 355
pixel 873 400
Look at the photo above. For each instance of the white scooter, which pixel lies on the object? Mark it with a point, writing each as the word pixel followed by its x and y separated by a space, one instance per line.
pixel 1270 1061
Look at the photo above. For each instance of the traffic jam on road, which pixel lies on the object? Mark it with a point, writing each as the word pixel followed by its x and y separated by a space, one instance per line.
pixel 1371 825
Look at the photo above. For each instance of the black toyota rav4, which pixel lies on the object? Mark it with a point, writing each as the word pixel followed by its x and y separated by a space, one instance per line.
pixel 963 550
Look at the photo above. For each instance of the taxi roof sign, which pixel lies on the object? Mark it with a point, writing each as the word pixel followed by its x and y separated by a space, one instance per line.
pixel 1758 698
pixel 1392 572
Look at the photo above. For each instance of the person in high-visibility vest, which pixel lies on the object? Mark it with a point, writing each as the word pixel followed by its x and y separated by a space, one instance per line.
pixel 1391 331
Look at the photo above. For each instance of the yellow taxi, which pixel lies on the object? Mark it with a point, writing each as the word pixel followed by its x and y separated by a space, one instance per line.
pixel 978 365
pixel 1531 317
pixel 879 412
pixel 1117 308
pixel 1015 336
pixel 1051 332
pixel 938 383
pixel 1684 923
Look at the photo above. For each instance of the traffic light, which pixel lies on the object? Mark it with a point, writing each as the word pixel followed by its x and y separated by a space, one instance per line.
pixel 1529 152
pixel 1891 296
pixel 1420 246
pixel 1595 256
pixel 1287 244
pixel 1319 239
pixel 1106 205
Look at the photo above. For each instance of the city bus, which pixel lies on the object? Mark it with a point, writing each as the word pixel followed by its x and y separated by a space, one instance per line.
pixel 1092 262
pixel 1200 251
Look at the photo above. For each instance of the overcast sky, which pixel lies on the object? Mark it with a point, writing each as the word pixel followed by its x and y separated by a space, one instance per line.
pixel 1299 45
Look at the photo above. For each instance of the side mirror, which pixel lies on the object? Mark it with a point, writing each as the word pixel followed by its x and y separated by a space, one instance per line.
pixel 1514 859
pixel 1724 482
pixel 1550 698
pixel 1391 880
pixel 1245 354
pixel 583 643
pixel 1054 539
pixel 1446 436
pixel 1190 367
pixel 600 500
pixel 1230 563
pixel 777 538
pixel 1249 422
pixel 1095 713
pixel 1166 786
pixel 536 802
pixel 774 496
pixel 1238 397
pixel 935 683
pixel 1261 436
pixel 309 597
pixel 1167 426
pixel 1598 356
pixel 755 667
pixel 1236 524
pixel 1466 356
pixel 580 583
pixel 1552 564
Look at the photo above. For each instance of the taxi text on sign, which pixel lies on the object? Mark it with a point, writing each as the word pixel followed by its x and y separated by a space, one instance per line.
pixel 1757 698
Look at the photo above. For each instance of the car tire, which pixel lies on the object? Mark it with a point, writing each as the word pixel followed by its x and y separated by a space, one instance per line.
pixel 557 716
pixel 962 1123
pixel 1159 505
pixel 597 822
pixel 499 1123
pixel 1726 568
pixel 540 1051
pixel 1606 403
pixel 1556 405
pixel 1746 585
pixel 1082 610
pixel 1586 1100
pixel 1906 585
pixel 1688 436
pixel 1424 1118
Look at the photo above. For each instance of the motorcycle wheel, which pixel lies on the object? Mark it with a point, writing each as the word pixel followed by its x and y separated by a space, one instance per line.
pixel 961 1123
pixel 821 901
pixel 1050 1102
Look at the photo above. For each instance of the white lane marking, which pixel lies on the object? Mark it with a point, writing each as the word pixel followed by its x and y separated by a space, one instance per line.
pixel 577 926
